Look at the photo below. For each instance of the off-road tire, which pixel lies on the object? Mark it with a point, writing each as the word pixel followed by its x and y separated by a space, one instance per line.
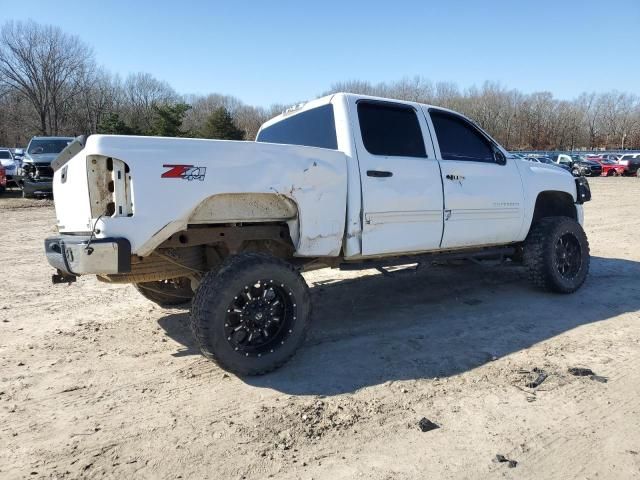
pixel 213 302
pixel 167 293
pixel 540 254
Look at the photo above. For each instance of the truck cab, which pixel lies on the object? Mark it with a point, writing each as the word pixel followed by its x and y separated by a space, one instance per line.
pixel 419 177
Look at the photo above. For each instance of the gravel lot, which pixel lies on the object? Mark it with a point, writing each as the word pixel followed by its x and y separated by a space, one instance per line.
pixel 98 382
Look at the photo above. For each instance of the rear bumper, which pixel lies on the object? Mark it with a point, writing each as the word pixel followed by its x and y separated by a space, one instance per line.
pixel 80 255
pixel 37 188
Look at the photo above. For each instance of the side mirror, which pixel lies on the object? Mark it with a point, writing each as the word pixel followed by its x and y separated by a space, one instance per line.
pixel 499 157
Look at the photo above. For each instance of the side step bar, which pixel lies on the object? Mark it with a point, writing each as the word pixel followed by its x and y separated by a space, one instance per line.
pixel 473 255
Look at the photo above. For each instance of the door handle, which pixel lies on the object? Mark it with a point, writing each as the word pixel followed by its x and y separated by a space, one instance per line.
pixel 379 173
pixel 455 178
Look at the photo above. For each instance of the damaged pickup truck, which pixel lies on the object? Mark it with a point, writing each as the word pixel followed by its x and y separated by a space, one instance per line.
pixel 36 173
pixel 345 181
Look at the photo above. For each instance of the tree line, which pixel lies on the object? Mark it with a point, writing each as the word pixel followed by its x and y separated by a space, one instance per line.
pixel 50 84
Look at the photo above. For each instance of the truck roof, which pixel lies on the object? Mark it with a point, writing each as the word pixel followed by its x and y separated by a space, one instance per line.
pixel 301 107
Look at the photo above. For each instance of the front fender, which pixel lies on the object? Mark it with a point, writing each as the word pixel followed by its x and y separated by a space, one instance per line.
pixel 538 178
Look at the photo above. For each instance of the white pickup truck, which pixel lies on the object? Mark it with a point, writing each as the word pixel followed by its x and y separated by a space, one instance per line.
pixel 345 181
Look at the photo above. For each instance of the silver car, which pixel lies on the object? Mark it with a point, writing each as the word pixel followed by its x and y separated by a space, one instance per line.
pixel 11 166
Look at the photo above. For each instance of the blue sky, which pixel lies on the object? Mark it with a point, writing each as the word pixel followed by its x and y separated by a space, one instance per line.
pixel 283 51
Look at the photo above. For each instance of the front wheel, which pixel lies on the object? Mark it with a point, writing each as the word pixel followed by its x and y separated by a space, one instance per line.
pixel 556 254
pixel 252 314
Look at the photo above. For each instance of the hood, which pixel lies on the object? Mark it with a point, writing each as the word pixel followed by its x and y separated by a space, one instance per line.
pixel 546 169
pixel 8 163
pixel 40 157
pixel 588 162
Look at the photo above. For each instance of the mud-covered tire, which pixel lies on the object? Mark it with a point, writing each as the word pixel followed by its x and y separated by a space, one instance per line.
pixel 223 292
pixel 544 247
pixel 167 293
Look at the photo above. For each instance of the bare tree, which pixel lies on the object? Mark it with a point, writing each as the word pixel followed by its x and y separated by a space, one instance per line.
pixel 141 92
pixel 44 65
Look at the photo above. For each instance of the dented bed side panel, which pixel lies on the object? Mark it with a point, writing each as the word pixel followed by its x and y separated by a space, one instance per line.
pixel 176 181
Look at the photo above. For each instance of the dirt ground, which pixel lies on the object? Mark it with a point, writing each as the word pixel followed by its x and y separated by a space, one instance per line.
pixel 97 382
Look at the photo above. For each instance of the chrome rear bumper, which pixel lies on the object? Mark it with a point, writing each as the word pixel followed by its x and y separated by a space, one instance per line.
pixel 74 255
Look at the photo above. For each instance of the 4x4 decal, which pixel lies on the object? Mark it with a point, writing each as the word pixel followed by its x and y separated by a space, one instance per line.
pixel 185 172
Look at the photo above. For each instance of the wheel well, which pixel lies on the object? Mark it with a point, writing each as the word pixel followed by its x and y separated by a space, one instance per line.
pixel 554 204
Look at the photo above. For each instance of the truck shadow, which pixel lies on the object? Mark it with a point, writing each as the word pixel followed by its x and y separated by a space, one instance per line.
pixel 439 322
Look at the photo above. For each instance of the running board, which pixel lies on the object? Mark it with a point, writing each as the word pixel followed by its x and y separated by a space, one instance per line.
pixel 492 253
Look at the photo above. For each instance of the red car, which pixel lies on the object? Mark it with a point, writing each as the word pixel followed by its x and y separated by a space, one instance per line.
pixel 3 179
pixel 610 168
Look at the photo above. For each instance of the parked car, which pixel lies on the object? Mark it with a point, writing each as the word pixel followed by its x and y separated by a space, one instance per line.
pixel 18 153
pixel 346 181
pixel 581 167
pixel 37 174
pixel 586 168
pixel 632 162
pixel 564 159
pixel 610 156
pixel 611 168
pixel 11 166
pixel 3 180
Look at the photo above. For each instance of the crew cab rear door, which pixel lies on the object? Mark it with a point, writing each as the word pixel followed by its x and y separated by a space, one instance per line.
pixel 400 176
pixel 483 193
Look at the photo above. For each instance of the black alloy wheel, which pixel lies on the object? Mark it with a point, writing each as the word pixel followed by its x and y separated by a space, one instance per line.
pixel 568 255
pixel 260 318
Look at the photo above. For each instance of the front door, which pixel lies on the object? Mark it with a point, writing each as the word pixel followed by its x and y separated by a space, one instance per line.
pixel 483 190
pixel 400 177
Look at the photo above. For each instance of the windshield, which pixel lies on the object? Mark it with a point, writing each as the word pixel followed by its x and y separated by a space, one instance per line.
pixel 37 147
pixel 5 155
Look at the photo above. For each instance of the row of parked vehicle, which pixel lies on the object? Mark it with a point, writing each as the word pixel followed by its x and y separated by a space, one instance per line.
pixel 590 165
pixel 30 169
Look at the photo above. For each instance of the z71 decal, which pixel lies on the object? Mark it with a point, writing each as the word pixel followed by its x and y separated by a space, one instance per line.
pixel 185 172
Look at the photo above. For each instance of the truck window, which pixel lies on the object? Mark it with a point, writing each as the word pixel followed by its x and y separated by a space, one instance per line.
pixel 459 140
pixel 314 128
pixel 390 129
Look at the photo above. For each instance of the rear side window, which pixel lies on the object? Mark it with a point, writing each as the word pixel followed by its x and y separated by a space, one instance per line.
pixel 390 129
pixel 313 128
pixel 459 140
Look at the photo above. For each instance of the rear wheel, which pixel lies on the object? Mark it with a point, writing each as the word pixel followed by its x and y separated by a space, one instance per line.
pixel 556 254
pixel 251 316
pixel 167 293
